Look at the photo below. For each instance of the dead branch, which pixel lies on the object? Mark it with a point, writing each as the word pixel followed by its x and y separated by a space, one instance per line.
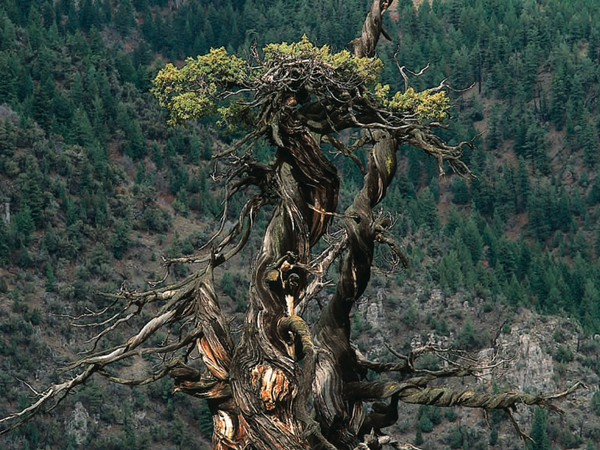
pixel 56 392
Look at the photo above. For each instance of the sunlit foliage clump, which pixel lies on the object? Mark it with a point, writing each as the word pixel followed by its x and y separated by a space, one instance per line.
pixel 247 93
pixel 193 91
pixel 424 106
pixel 346 66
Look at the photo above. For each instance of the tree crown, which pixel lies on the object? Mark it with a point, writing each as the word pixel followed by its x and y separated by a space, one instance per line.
pixel 318 80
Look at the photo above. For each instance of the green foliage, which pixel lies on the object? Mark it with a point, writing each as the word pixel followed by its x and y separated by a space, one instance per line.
pixel 470 337
pixel 460 192
pixel 121 239
pixel 428 417
pixel 192 91
pixel 124 16
pixel 450 414
pixel 5 243
pixel 569 440
pixel 3 286
pixel 425 105
pixel 425 424
pixel 596 403
pixel 50 278
pixel 451 277
pixel 455 439
pixel 228 285
pixel 539 431
pixel 493 437
pixel 563 354
pixel 154 218
pixel 23 226
pixel 428 213
pixel 345 65
pixel 205 421
pixel 419 437
pixel 208 84
pixel 410 314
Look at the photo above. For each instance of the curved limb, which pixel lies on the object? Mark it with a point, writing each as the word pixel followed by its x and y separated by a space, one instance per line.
pixel 419 393
pixel 337 362
pixel 56 392
pixel 372 28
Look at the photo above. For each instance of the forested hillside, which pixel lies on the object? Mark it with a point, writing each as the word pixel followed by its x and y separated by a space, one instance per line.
pixel 95 188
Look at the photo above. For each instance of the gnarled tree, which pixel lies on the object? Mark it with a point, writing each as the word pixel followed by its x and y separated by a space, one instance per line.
pixel 285 383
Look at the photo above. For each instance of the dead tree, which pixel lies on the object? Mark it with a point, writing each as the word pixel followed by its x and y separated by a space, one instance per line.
pixel 285 383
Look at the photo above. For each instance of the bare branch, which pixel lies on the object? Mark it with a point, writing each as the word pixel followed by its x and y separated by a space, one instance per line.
pixel 56 392
pixel 320 267
pixel 522 435
pixel 403 70
pixel 107 330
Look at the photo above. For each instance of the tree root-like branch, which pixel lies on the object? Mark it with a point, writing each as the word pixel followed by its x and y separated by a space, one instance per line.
pixel 414 391
pixel 522 435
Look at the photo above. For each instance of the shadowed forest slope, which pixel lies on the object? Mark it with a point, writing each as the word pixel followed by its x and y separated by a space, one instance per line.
pixel 95 188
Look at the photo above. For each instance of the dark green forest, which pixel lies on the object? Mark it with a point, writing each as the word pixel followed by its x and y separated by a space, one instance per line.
pixel 93 183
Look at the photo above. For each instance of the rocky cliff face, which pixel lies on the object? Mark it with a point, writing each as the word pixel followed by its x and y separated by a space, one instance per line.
pixel 77 426
pixel 542 355
pixel 527 345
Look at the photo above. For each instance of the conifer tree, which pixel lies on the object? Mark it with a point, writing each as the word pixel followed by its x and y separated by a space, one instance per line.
pixel 539 430
pixel 4 242
pixel 22 226
pixel 125 16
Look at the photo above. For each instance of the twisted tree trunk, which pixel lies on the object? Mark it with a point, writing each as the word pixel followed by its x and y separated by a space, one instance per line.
pixel 278 365
pixel 268 384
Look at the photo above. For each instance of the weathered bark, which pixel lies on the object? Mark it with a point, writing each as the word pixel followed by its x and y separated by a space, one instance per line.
pixel 366 45
pixel 267 382
pixel 340 418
